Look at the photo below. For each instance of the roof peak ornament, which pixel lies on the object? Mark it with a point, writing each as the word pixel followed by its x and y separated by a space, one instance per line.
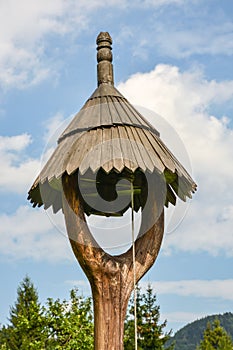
pixel 104 59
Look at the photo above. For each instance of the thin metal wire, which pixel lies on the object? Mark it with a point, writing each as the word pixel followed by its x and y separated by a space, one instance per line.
pixel 134 269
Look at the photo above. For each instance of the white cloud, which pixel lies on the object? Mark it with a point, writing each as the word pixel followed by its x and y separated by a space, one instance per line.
pixel 29 233
pixel 183 99
pixel 23 26
pixel 22 237
pixel 17 169
pixel 15 143
pixel 222 289
pixel 26 28
pixel 178 319
pixel 183 317
pixel 20 234
pixel 203 30
pixel 184 42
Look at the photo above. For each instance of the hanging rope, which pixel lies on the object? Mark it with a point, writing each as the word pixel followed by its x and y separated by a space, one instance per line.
pixel 134 269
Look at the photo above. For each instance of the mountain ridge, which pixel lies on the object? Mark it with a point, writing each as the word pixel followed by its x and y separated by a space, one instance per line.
pixel 189 336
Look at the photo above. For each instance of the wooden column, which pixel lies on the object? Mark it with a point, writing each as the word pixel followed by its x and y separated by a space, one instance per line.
pixel 110 277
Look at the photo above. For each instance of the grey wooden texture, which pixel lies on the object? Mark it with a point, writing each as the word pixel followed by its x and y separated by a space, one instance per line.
pixel 109 133
pixel 106 110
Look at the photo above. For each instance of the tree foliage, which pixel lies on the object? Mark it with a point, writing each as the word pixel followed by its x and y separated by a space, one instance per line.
pixel 215 337
pixel 68 324
pixel 26 330
pixel 149 331
pixel 61 325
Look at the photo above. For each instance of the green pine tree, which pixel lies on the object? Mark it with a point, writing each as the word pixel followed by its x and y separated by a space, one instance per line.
pixel 150 331
pixel 215 337
pixel 26 330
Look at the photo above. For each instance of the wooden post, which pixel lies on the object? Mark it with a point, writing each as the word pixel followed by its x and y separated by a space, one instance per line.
pixel 110 277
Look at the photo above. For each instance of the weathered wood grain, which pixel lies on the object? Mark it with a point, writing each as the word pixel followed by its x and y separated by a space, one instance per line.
pixel 110 277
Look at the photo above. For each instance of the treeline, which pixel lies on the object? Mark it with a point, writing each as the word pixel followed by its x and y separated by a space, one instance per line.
pixel 188 337
pixel 68 324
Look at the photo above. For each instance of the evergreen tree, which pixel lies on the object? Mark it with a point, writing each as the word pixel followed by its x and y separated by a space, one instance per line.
pixel 150 332
pixel 26 330
pixel 66 324
pixel 215 337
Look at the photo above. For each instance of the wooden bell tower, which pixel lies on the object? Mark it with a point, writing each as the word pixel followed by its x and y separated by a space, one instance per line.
pixel 110 159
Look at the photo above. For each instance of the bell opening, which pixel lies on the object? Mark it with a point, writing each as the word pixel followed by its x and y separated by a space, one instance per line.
pixel 110 194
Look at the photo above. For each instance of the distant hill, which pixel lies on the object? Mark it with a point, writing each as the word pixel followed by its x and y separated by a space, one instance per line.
pixel 188 337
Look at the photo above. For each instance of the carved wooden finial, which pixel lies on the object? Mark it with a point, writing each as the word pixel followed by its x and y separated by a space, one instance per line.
pixel 104 58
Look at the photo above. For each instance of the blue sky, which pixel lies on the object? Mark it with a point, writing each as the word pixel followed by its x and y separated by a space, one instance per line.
pixel 171 57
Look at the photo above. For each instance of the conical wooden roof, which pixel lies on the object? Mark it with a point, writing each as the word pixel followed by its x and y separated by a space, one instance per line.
pixel 108 133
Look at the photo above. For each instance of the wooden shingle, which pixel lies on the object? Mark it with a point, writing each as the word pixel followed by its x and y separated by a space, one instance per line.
pixel 108 133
